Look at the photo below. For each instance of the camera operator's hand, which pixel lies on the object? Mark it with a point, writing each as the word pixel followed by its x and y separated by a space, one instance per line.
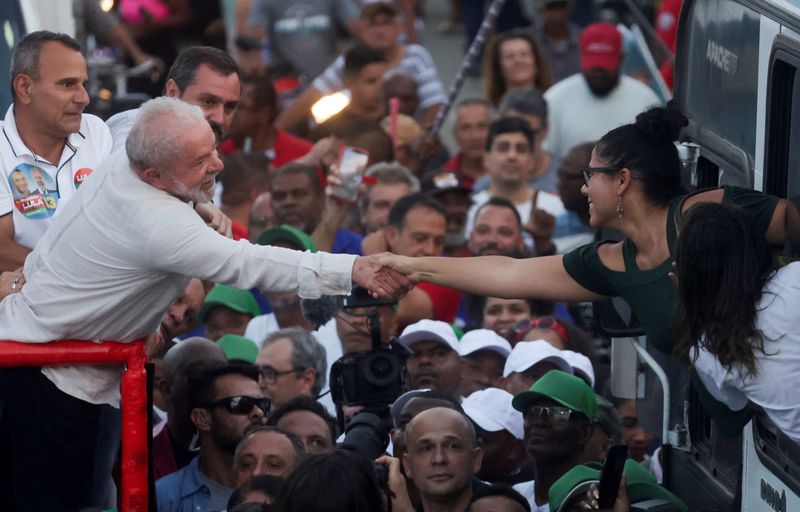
pixel 380 278
pixel 397 484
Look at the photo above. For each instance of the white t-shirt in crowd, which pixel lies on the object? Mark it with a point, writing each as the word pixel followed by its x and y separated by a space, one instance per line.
pixel 774 388
pixel 576 115
pixel 528 491
pixel 35 197
pixel 260 327
pixel 120 253
pixel 415 62
pixel 328 337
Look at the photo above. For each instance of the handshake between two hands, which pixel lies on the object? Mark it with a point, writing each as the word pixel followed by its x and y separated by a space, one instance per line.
pixel 385 275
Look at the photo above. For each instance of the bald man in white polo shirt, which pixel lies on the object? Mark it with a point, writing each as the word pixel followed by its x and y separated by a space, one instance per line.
pixel 46 139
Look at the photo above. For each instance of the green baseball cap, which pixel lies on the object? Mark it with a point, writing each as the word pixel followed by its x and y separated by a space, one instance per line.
pixel 574 482
pixel 287 233
pixel 238 348
pixel 568 390
pixel 241 301
pixel 641 485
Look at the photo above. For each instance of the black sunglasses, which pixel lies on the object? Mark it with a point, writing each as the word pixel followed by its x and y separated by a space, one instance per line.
pixel 241 404
pixel 589 171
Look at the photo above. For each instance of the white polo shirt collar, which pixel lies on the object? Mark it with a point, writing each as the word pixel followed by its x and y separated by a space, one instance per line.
pixel 34 210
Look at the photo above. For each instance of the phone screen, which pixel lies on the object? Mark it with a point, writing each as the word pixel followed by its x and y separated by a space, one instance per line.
pixel 352 164
pixel 611 475
pixel 353 161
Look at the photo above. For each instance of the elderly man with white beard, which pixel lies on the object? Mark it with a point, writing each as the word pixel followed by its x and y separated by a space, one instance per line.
pixel 120 253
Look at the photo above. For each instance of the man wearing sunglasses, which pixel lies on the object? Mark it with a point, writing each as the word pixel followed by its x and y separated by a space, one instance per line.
pixel 226 401
pixel 558 410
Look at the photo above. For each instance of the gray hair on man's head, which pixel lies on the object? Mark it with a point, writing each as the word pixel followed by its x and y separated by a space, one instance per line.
pixel 390 173
pixel 307 352
pixel 154 140
pixel 25 59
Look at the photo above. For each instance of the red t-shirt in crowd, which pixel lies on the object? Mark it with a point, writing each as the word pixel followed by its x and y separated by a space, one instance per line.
pixel 454 165
pixel 445 301
pixel 239 231
pixel 287 147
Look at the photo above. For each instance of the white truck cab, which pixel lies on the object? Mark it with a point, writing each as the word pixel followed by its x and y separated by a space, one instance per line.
pixel 737 79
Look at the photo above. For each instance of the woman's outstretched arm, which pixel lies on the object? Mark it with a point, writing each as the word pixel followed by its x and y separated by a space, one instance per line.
pixel 496 276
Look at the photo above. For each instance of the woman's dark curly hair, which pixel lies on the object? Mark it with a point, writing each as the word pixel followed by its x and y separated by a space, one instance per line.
pixel 723 264
pixel 647 148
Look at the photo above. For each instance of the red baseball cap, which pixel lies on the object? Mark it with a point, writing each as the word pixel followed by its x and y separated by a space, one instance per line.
pixel 601 47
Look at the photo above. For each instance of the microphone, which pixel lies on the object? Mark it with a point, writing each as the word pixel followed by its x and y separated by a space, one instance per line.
pixel 320 311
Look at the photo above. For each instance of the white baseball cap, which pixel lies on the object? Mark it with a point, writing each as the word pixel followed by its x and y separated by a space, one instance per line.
pixel 529 353
pixel 491 409
pixel 581 365
pixel 429 330
pixel 483 339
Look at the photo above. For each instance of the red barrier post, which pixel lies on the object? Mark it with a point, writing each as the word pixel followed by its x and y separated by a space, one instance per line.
pixel 133 388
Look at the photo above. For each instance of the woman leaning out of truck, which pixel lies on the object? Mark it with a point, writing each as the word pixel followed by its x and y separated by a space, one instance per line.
pixel 633 184
pixel 740 325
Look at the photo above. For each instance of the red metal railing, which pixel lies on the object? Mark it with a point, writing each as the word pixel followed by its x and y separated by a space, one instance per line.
pixel 133 388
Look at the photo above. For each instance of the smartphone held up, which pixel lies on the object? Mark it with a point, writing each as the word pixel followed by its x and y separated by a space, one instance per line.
pixel 352 164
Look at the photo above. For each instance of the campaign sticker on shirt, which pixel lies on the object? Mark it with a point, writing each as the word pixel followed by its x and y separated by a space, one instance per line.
pixel 34 191
pixel 80 176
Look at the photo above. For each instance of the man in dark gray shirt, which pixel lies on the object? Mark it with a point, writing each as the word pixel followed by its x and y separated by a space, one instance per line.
pixel 302 33
pixel 557 37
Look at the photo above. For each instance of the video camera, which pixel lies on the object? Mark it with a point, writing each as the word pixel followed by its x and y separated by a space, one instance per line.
pixel 375 378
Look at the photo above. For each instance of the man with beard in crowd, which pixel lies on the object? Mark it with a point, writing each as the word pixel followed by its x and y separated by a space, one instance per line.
pixel 225 402
pixel 497 230
pixel 202 76
pixel 173 437
pixel 586 105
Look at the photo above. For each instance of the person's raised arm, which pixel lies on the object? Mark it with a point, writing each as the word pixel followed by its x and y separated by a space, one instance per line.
pixel 785 225
pixel 496 276
pixel 428 115
pixel 12 254
pixel 299 109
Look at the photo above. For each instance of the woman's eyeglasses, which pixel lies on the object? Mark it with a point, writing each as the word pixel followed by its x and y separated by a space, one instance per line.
pixel 589 171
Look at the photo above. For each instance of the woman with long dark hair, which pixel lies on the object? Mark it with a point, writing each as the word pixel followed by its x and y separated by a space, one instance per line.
pixel 741 328
pixel 633 184
pixel 513 61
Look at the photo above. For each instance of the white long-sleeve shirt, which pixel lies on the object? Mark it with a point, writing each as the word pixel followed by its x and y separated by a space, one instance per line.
pixel 774 387
pixel 120 253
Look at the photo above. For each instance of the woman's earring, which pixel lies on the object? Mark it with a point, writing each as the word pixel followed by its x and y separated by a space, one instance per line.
pixel 620 211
